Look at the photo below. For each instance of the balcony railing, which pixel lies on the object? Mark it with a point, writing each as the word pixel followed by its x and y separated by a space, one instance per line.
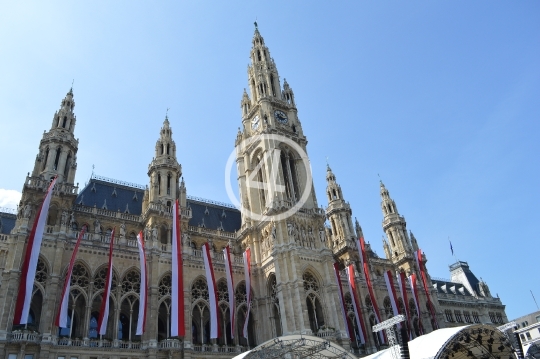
pixel 40 183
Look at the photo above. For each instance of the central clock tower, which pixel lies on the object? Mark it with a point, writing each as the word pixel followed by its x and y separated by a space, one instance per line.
pixel 282 224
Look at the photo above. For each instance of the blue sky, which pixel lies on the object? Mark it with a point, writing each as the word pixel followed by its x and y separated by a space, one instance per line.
pixel 441 98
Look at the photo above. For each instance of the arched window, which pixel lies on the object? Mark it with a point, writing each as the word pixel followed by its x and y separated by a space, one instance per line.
pixel 66 167
pixel 168 180
pixel 168 148
pixel 224 318
pixel 259 55
pixel 93 327
pixel 57 158
pixel 64 123
pixel 162 148
pixel 240 296
pixel 272 85
pixel 200 312
pixel 275 318
pixel 45 159
pixel 127 322
pixel 261 178
pixel 164 293
pixel 254 90
pixel 159 183
pixel 314 307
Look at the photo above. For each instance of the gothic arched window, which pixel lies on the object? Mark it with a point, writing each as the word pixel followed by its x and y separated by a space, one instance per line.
pixel 200 313
pixel 275 311
pixel 57 158
pixel 313 302
pixel 64 123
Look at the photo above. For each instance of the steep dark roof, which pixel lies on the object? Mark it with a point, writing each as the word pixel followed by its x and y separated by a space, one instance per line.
pixel 448 287
pixel 7 222
pixel 112 196
pixel 116 195
pixel 212 215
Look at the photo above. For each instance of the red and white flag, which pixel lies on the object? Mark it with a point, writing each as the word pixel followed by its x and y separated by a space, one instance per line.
pixel 348 328
pixel 104 311
pixel 356 304
pixel 143 295
pixel 365 269
pixel 177 291
pixel 414 290
pixel 392 293
pixel 247 272
pixel 230 286
pixel 430 306
pixel 28 270
pixel 61 317
pixel 215 331
pixel 403 290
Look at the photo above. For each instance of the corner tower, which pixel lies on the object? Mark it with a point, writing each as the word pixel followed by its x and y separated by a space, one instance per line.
pixel 343 236
pixel 58 147
pixel 164 170
pixel 398 248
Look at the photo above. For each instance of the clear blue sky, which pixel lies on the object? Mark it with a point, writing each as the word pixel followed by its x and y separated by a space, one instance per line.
pixel 441 98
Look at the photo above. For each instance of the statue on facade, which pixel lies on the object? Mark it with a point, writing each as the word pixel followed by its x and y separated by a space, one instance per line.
pixel 97 226
pixel 154 233
pixel 72 220
pixel 123 230
pixel 321 234
pixel 27 211
pixel 64 218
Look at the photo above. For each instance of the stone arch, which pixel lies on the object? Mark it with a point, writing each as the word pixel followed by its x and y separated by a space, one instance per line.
pixel 131 280
pixel 314 303
pixel 100 275
pixel 200 311
pixel 275 310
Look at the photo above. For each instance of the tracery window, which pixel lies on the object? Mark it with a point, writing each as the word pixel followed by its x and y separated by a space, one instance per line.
pixel 310 283
pixel 101 277
pixel 315 311
pixel 165 285
pixel 79 276
pixel 223 300
pixel 131 282
pixel 276 311
pixel 201 313
pixel 241 304
pixel 41 272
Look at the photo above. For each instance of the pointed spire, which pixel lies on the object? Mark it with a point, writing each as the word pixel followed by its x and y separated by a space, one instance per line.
pixel 329 174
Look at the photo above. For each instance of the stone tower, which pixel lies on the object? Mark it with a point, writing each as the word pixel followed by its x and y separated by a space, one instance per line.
pixel 398 248
pixel 57 157
pixel 281 221
pixel 166 185
pixel 58 147
pixel 343 236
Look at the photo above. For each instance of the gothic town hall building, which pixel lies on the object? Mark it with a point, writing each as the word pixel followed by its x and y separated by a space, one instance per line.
pixel 293 240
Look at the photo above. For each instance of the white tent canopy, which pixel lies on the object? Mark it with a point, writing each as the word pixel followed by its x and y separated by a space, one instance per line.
pixel 303 346
pixel 467 342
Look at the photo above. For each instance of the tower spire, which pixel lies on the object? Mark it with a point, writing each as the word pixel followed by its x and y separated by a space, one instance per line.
pixel 58 147
pixel 399 248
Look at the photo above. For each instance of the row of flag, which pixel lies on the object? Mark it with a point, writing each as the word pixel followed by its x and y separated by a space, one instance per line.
pixel 177 293
pixel 361 333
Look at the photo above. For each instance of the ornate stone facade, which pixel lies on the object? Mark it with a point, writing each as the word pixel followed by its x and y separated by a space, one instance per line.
pixel 294 244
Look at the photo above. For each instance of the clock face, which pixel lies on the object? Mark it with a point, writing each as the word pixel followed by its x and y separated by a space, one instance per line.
pixel 255 123
pixel 280 117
